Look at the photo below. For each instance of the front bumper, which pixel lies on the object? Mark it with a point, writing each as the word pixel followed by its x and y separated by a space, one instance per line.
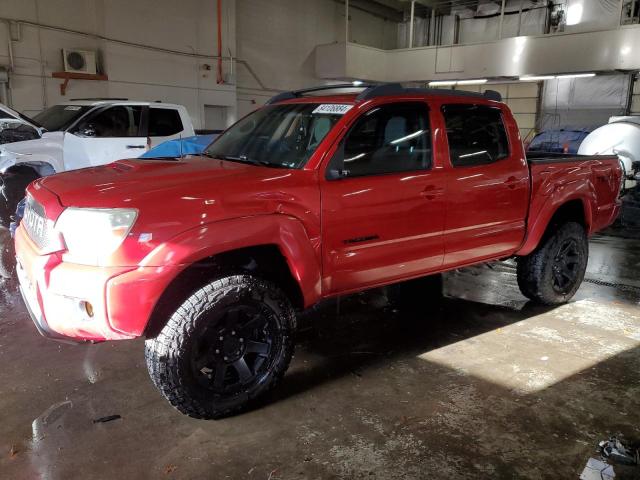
pixel 58 295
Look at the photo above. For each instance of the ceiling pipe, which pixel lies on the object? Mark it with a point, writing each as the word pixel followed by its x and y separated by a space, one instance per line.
pixel 413 12
pixel 219 74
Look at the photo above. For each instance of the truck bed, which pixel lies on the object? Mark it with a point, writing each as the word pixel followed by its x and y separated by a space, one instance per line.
pixel 588 183
pixel 552 157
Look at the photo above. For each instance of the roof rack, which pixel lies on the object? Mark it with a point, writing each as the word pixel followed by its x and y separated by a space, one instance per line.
pixel 381 89
pixel 299 93
pixel 97 99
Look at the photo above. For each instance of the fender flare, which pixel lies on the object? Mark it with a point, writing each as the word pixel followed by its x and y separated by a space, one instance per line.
pixel 285 232
pixel 538 222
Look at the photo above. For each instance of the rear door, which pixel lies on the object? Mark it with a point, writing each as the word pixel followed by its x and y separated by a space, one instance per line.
pixel 382 203
pixel 487 186
pixel 164 124
pixel 106 135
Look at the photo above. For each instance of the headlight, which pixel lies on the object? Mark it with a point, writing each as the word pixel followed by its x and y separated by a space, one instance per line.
pixel 93 234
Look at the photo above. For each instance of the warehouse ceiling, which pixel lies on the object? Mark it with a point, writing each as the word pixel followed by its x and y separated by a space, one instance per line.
pixel 398 10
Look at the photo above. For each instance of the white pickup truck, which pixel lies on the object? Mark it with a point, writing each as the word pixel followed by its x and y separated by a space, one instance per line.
pixel 86 133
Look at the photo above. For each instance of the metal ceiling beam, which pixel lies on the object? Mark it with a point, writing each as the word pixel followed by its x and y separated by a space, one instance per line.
pixel 377 8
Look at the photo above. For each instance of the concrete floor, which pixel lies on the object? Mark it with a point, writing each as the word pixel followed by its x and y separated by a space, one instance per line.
pixel 486 386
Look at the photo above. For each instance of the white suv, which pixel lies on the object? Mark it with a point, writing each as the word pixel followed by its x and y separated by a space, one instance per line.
pixel 86 133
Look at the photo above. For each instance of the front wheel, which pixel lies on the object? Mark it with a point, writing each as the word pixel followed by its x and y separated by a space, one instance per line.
pixel 227 344
pixel 553 272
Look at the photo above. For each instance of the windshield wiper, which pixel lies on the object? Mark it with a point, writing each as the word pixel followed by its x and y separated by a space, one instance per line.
pixel 243 159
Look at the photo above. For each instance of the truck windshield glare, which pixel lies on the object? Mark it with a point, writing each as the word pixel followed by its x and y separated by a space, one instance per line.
pixel 281 135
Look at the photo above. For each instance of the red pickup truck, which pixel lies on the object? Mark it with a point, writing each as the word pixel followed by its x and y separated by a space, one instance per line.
pixel 312 196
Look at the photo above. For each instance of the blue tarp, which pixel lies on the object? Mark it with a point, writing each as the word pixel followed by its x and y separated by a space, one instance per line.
pixel 185 146
pixel 558 141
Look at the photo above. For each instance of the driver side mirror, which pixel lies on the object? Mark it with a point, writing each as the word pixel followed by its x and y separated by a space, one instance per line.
pixel 86 131
pixel 335 168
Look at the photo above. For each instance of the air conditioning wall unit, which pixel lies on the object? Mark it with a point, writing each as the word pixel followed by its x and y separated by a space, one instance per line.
pixel 80 61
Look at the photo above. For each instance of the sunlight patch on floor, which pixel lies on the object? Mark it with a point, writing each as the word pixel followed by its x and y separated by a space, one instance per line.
pixel 535 353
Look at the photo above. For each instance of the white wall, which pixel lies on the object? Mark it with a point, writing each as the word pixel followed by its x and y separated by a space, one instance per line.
pixel 135 73
pixel 277 40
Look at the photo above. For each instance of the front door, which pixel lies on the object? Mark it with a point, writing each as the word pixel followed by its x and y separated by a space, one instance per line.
pixel 107 135
pixel 382 201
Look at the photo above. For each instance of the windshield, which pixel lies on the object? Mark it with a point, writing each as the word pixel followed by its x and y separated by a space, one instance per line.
pixel 280 135
pixel 60 117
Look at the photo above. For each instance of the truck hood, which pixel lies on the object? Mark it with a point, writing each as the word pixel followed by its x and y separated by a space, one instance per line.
pixel 134 182
pixel 173 196
pixel 46 142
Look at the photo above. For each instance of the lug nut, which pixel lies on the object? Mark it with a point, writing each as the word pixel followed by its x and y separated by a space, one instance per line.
pixel 217 351
pixel 233 332
pixel 221 338
pixel 241 340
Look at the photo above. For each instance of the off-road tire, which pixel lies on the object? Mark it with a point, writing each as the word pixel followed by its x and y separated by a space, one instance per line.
pixel 417 295
pixel 536 271
pixel 7 255
pixel 169 355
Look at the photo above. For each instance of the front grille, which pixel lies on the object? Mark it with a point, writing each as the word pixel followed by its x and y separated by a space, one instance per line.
pixel 35 223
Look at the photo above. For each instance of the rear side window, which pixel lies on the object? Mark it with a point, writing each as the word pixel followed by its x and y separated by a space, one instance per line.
pixel 389 139
pixel 164 122
pixel 476 134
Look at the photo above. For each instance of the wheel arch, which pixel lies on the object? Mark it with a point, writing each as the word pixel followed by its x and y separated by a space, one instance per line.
pixel 284 255
pixel 571 210
pixel 42 169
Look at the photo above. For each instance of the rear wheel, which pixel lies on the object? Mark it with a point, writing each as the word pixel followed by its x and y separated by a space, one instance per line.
pixel 226 345
pixel 554 271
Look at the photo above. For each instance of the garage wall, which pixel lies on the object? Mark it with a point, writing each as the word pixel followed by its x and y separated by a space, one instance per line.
pixel 522 99
pixel 188 27
pixel 277 41
pixel 635 99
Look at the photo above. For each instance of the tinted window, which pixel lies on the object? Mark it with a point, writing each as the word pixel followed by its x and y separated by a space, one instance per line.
pixel 4 114
pixel 164 122
pixel 60 117
pixel 476 134
pixel 118 121
pixel 278 135
pixel 387 139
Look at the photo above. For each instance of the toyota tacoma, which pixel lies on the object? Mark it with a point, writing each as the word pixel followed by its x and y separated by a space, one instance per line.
pixel 319 193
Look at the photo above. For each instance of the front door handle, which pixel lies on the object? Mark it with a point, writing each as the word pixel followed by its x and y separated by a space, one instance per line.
pixel 431 192
pixel 136 146
pixel 512 182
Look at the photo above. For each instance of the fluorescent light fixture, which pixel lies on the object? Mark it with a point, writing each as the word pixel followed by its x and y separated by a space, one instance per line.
pixel 357 83
pixel 477 81
pixel 577 75
pixel 574 14
pixel 536 78
pixel 443 83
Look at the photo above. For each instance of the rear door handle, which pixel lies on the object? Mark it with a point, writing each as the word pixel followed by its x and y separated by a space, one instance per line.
pixel 136 146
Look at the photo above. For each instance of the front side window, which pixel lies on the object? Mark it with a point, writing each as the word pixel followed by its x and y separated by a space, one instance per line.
pixel 476 134
pixel 117 121
pixel 388 139
pixel 164 122
pixel 279 135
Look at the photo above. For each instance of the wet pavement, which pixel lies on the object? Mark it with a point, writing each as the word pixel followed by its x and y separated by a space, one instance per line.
pixel 482 385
